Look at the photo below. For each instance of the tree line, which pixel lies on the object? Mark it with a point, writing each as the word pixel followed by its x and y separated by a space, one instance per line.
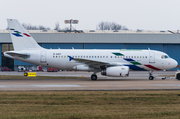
pixel 33 27
pixel 110 26
pixel 101 26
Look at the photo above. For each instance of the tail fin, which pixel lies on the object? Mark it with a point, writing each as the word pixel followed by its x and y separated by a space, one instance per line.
pixel 21 39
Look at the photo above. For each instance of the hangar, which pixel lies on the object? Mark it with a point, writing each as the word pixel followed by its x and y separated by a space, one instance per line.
pixel 166 41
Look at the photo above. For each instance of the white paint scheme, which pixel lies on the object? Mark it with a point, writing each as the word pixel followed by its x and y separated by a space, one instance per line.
pixel 26 49
pixel 114 71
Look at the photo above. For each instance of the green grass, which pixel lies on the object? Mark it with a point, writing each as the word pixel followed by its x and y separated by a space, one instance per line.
pixel 89 104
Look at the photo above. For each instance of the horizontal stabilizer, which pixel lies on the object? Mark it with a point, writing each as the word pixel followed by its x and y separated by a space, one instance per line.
pixel 17 54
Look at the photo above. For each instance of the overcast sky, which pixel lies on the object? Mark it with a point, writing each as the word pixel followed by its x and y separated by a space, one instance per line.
pixel 134 14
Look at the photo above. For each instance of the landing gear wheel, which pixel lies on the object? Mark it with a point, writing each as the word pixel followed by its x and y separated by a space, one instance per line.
pixel 163 78
pixel 93 77
pixel 178 76
pixel 151 77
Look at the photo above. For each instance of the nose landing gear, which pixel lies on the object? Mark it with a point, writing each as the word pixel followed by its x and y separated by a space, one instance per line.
pixel 151 77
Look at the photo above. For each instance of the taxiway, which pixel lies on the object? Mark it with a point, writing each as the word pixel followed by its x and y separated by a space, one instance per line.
pixel 136 81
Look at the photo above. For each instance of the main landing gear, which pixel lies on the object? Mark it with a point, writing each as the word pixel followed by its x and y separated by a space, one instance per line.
pixel 151 77
pixel 93 77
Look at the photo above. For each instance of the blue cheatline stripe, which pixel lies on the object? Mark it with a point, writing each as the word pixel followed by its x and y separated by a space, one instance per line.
pixel 136 68
pixel 16 34
pixel 129 59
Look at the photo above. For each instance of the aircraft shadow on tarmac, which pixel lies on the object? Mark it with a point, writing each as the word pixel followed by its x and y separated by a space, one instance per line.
pixel 129 79
pixel 101 79
pixel 121 80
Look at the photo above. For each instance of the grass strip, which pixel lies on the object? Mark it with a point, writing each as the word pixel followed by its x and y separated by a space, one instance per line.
pixel 89 104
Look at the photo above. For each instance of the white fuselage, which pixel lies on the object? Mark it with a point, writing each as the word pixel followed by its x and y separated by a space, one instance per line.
pixel 136 59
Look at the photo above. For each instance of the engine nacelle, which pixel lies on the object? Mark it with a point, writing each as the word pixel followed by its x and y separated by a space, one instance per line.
pixel 117 71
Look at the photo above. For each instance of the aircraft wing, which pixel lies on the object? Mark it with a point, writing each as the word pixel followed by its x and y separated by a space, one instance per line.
pixel 17 54
pixel 94 63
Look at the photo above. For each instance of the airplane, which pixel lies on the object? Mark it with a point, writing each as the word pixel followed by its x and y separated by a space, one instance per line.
pixel 114 63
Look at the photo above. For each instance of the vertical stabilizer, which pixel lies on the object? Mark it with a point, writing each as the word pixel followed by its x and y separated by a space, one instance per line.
pixel 21 39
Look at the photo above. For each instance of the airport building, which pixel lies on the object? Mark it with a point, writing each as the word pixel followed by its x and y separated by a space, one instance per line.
pixel 166 41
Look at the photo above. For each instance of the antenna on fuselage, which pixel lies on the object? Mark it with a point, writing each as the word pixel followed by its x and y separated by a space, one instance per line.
pixel 58 48
pixel 72 48
pixel 149 49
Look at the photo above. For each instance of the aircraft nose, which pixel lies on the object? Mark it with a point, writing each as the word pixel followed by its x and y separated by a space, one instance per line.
pixel 174 63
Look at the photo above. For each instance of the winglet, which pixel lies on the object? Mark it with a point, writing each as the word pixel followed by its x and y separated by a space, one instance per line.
pixel 70 58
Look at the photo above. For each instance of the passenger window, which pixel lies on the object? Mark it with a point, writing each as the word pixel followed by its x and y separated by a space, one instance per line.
pixel 61 56
pixel 106 56
pixel 97 56
pixel 134 56
pixel 111 56
pixel 64 56
pixel 89 56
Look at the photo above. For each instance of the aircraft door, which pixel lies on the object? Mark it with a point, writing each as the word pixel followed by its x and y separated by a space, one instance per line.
pixel 151 57
pixel 43 57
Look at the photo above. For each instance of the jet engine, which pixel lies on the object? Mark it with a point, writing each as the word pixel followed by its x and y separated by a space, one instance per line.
pixel 117 71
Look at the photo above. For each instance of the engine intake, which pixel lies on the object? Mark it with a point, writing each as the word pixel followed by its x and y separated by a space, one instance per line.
pixel 117 71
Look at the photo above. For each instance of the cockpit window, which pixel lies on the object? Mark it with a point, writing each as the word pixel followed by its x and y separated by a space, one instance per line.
pixel 164 56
